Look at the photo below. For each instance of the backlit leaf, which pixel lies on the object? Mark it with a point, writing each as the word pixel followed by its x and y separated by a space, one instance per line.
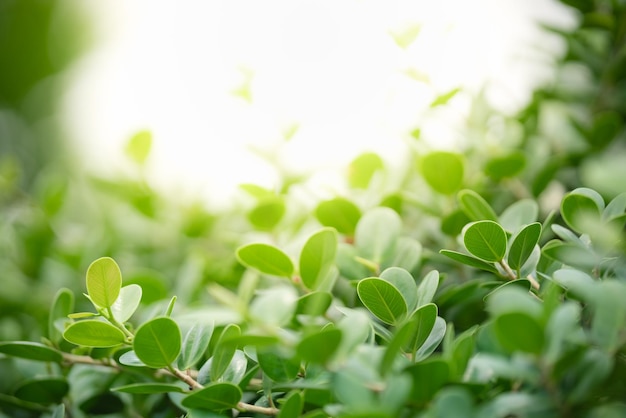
pixel 376 233
pixel 157 342
pixel 126 303
pixel 93 333
pixel 485 240
pixel 266 259
pixel 317 257
pixel 339 213
pixel 104 281
pixel 443 171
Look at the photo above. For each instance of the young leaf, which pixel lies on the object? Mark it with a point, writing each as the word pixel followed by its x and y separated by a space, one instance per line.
pixel 376 234
pixel 93 333
pixel 522 245
pixel 126 303
pixel 362 169
pixel 470 261
pixel 520 213
pixel 317 257
pixel 420 325
pixel 30 350
pixel 443 171
pixel 475 207
pixel 214 397
pixel 62 306
pixel 104 281
pixel 382 299
pixel 485 240
pixel 138 147
pixel 432 342
pixel 157 342
pixel 427 288
pixel 266 259
pixel 267 213
pixel 195 343
pixel 444 98
pixel 277 367
pixel 404 282
pixel 580 204
pixel 224 351
pixel 319 347
pixel 339 213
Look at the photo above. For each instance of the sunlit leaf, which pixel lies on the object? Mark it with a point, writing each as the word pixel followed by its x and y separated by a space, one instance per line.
pixel 138 147
pixel 157 342
pixel 93 333
pixel 376 233
pixel 317 257
pixel 104 281
pixel 126 303
pixel 363 168
pixel 522 245
pixel 506 165
pixel 266 259
pixel 485 240
pixel 443 171
pixel 267 213
pixel 382 299
pixel 339 213
pixel 475 206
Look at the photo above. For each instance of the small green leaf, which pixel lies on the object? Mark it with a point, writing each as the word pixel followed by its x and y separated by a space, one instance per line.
pixel 314 303
pixel 404 282
pixel 319 347
pixel 420 325
pixel 277 367
pixel 94 333
pixel 615 209
pixel 317 257
pixel 428 377
pixel 485 240
pixel 266 259
pixel 267 213
pixel 406 36
pixel 138 147
pixel 256 191
pixel 470 261
pixel 43 390
pixel 126 303
pixel 609 317
pixel 444 98
pixel 406 255
pixel 294 402
pixel 522 245
pixel 506 165
pixel 62 306
pixel 382 299
pixel 517 331
pixel 432 342
pixel 104 281
pixel 157 342
pixel 475 207
pixel 452 224
pixel 30 350
pixel 214 397
pixel 520 213
pixel 427 288
pixel 149 388
pixel 443 171
pixel 234 373
pixel 195 343
pixel 170 306
pixel 224 351
pixel 362 169
pixel 129 358
pixel 376 234
pixel 339 213
pixel 580 204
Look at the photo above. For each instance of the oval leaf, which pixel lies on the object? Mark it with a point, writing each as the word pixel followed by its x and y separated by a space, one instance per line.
pixel 31 351
pixel 149 388
pixel 485 240
pixel 404 282
pixel 376 233
pixel 195 343
pixel 382 299
pixel 518 331
pixel 317 257
pixel 470 261
pixel 104 281
pixel 157 342
pixel 266 259
pixel 214 397
pixel 520 213
pixel 276 367
pixel 522 245
pixel 126 303
pixel 427 288
pixel 475 207
pixel 580 204
pixel 224 351
pixel 93 333
pixel 339 213
pixel 319 347
pixel 443 171
pixel 44 390
pixel 62 306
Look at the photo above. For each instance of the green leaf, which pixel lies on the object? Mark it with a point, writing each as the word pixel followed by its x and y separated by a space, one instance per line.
pixel 405 37
pixel 267 213
pixel 475 207
pixel 214 397
pixel 432 342
pixel 615 209
pixel 43 390
pixel 62 306
pixel 266 259
pixel 443 171
pixel 452 224
pixel 485 240
pixel 517 331
pixel 224 351
pixel 277 367
pixel 294 402
pixel 339 213
pixel 126 303
pixel 421 324
pixel 609 318
pixel 427 288
pixel 317 257
pixel 444 98
pixel 195 343
pixel 355 328
pixel 31 351
pixel 428 377
pixel 406 255
pixel 506 165
pixel 149 388
pixel 59 411
pixel 376 233
pixel 94 333
pixel 522 245
pixel 382 299
pixel 579 205
pixel 520 213
pixel 138 147
pixel 320 346
pixel 453 402
pixel 256 191
pixel 104 281
pixel 362 169
pixel 314 303
pixel 157 342
pixel 470 261
pixel 404 282
pixel 274 306
pixel 129 358
pixel 234 373
pixel 570 254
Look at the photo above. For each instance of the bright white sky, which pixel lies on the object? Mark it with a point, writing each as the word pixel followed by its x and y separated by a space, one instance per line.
pixel 329 67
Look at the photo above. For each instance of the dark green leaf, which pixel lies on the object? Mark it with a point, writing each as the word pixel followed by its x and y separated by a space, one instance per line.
pixel 149 388
pixel 319 347
pixel 428 377
pixel 62 306
pixel 506 165
pixel 522 245
pixel 443 171
pixel 157 342
pixel 470 261
pixel 517 331
pixel 266 259
pixel 30 350
pixel 485 240
pixel 93 333
pixel 214 397
pixel 43 390
pixel 294 402
pixel 382 299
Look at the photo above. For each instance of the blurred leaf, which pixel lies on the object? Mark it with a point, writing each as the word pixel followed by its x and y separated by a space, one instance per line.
pixel 453 223
pixel 432 342
pixel 256 191
pixel 578 204
pixel 129 358
pixel 138 147
pixel 104 281
pixel 406 36
pixel 93 333
pixel 214 397
pixel 294 402
pixel 362 169
pixel 224 351
pixel 606 127
pixel 274 306
pixel 506 166
pixel 570 254
pixel 382 299
pixel 520 213
pixel 149 388
pixel 443 171
pixel 427 288
pixel 470 261
pixel 317 257
pixel 277 367
pixel 126 303
pixel 157 342
pixel 445 98
pixel 267 213
pixel 615 209
pixel 62 306
pixel 314 303
pixel 485 240
pixel 475 207
pixel 453 402
pixel 339 213
pixel 319 347
pixel 194 345
pixel 43 390
pixel 376 234
pixel 265 258
pixel 234 373
pixel 31 351
pixel 609 320
pixel 522 245
pixel 428 377
pixel 519 331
